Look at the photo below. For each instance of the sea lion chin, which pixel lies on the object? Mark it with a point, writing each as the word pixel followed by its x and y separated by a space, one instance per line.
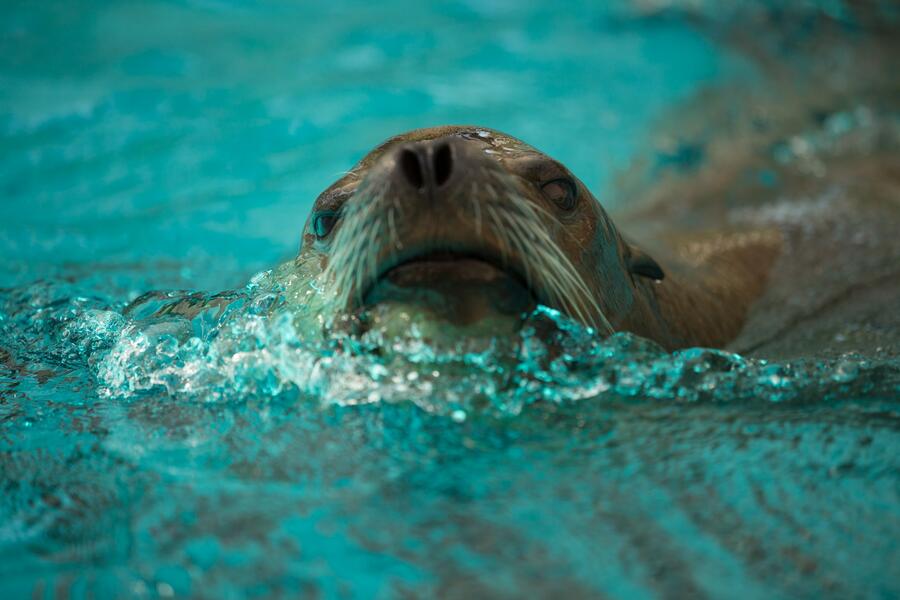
pixel 468 226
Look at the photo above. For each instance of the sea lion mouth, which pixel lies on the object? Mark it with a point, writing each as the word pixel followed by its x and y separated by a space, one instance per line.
pixel 441 277
pixel 468 266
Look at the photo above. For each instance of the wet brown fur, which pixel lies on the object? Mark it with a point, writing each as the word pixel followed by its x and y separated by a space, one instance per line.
pixel 711 282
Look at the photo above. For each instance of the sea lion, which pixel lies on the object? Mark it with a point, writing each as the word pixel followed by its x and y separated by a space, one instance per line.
pixel 476 225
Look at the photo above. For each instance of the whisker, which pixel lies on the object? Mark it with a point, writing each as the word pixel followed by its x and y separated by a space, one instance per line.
pixel 392 225
pixel 476 208
pixel 501 205
pixel 523 226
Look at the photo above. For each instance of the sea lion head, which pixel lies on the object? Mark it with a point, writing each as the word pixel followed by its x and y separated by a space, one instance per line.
pixel 468 225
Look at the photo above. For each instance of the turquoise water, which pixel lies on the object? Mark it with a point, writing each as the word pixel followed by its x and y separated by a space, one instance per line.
pixel 197 134
pixel 178 146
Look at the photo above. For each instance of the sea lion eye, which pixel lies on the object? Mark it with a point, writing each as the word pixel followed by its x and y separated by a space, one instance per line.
pixel 561 192
pixel 323 222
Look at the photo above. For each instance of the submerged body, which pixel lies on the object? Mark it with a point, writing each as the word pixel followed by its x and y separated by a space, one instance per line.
pixel 822 225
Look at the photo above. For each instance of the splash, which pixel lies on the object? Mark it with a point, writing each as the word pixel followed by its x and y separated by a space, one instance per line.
pixel 267 340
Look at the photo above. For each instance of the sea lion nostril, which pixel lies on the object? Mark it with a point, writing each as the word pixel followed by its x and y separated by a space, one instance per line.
pixel 443 164
pixel 412 168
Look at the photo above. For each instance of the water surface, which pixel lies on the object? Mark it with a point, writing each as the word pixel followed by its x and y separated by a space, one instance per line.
pixel 178 146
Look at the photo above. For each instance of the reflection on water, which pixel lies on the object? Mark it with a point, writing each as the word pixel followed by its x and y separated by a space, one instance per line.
pixel 161 443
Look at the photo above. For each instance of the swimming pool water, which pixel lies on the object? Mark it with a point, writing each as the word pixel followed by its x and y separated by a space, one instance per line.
pixel 197 134
pixel 178 145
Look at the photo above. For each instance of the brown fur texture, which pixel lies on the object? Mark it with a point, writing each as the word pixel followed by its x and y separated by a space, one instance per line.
pixel 711 279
